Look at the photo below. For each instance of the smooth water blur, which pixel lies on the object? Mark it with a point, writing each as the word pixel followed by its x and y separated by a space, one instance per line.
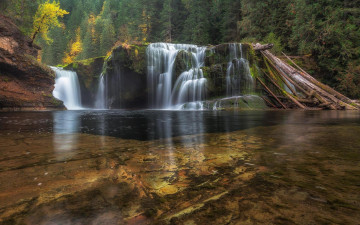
pixel 67 88
pixel 165 89
pixel 180 167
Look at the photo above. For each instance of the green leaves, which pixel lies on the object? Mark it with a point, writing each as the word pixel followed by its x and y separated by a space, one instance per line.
pixel 46 17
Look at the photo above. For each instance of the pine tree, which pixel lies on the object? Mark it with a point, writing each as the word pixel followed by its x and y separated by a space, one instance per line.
pixel 230 17
pixel 107 38
pixel 166 21
pixel 197 25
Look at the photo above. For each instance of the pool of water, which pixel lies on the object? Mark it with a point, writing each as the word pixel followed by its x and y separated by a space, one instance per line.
pixel 180 167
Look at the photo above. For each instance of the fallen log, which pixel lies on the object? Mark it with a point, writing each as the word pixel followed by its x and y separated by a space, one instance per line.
pixel 284 77
pixel 260 47
pixel 321 85
pixel 306 84
pixel 284 92
pixel 269 102
pixel 303 88
pixel 306 101
pixel 271 93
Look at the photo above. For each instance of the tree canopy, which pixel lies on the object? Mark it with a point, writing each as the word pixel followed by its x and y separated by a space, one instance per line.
pixel 46 17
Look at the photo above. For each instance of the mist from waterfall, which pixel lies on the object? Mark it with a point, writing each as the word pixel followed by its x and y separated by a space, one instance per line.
pixel 67 88
pixel 166 91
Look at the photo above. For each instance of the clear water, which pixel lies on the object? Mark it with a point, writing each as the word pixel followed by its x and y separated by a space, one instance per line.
pixel 172 167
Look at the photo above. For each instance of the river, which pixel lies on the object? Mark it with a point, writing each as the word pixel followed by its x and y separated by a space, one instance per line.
pixel 180 167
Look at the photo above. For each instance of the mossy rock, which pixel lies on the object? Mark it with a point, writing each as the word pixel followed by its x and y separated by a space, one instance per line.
pixel 215 75
pixel 132 57
pixel 183 62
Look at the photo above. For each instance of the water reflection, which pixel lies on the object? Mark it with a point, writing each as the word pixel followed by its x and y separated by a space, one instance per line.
pixel 66 128
pixel 153 125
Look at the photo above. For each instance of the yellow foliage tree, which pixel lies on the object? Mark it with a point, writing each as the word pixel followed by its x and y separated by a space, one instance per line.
pixel 46 17
pixel 92 21
pixel 75 49
pixel 145 26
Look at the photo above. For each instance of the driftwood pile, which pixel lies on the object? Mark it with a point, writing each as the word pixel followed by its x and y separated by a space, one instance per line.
pixel 305 91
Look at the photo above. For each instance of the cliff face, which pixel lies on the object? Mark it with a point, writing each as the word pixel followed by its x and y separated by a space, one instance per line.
pixel 125 77
pixel 25 84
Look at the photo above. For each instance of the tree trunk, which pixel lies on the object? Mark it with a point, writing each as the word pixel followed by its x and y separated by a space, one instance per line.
pixel 308 85
pixel 271 93
pixel 323 86
pixel 260 47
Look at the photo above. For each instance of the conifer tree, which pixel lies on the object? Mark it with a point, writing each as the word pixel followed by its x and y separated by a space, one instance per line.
pixel 107 38
pixel 166 21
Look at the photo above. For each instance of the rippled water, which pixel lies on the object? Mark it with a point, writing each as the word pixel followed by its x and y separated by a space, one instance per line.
pixel 172 167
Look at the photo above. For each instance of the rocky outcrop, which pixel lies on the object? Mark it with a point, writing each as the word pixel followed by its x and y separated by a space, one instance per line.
pixel 25 84
pixel 125 76
pixel 216 66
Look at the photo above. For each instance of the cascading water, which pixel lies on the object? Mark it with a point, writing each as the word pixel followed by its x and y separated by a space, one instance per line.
pixel 166 91
pixel 67 88
pixel 100 102
pixel 238 76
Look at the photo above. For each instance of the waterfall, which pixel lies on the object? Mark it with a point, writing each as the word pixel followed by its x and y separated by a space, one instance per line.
pixel 67 88
pixel 166 91
pixel 100 102
pixel 238 76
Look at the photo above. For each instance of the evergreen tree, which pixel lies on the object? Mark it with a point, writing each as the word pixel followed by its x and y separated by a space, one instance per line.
pixel 230 17
pixel 107 38
pixel 166 21
pixel 197 25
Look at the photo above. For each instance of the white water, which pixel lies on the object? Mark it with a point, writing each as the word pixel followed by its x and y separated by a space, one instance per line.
pixel 164 91
pixel 238 76
pixel 100 102
pixel 67 88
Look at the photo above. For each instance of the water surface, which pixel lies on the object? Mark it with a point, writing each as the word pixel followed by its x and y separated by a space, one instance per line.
pixel 173 167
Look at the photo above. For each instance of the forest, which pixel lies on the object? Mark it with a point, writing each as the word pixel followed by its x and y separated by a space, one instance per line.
pixel 324 34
